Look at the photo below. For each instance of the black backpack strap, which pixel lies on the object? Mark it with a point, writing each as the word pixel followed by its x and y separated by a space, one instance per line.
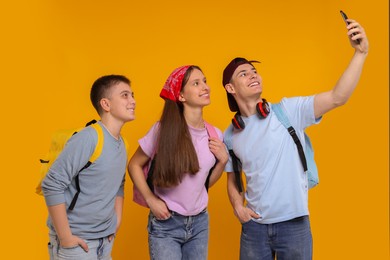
pixel 77 180
pixel 283 118
pixel 236 168
pixel 93 121
pixel 237 165
pixel 149 178
pixel 206 184
pixel 211 133
pixel 301 153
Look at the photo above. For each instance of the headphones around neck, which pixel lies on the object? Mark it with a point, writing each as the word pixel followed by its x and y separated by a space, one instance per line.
pixel 262 109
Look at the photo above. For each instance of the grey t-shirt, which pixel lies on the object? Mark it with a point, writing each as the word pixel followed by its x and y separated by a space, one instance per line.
pixel 93 215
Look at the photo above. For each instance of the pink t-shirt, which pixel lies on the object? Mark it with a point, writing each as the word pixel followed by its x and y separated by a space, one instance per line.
pixel 190 196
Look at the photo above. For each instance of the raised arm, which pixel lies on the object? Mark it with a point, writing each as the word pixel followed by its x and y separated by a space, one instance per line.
pixel 346 84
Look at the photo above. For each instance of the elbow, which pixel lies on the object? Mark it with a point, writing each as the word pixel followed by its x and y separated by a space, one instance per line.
pixel 340 100
pixel 134 169
pixel 130 170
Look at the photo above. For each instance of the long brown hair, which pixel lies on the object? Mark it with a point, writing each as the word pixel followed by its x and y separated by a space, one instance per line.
pixel 176 153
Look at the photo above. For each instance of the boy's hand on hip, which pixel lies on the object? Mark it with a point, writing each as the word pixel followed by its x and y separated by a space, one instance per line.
pixel 74 241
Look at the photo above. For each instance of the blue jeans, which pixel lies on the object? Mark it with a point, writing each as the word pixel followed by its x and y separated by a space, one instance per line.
pixel 179 237
pixel 99 249
pixel 288 240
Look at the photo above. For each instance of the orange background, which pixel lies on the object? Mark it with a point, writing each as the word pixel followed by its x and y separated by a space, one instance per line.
pixel 52 51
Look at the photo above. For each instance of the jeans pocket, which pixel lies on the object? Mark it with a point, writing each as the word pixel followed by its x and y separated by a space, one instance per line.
pixel 246 222
pixel 162 220
pixel 75 252
pixel 71 247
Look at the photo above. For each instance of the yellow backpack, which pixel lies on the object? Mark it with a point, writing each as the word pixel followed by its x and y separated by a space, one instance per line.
pixel 58 141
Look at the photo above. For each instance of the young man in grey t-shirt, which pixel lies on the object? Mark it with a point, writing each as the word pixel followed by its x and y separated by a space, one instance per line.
pixel 87 231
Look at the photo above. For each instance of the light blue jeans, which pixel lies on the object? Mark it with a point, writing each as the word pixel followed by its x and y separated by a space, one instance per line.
pixel 99 249
pixel 179 237
pixel 288 240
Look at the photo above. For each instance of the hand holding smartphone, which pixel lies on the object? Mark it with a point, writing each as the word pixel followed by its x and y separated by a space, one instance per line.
pixel 345 17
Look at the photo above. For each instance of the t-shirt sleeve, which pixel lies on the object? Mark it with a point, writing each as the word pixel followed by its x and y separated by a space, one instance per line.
pixel 121 190
pixel 227 138
pixel 300 111
pixel 148 142
pixel 71 160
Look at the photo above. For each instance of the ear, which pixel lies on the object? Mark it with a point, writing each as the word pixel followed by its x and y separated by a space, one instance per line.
pixel 105 104
pixel 181 98
pixel 230 88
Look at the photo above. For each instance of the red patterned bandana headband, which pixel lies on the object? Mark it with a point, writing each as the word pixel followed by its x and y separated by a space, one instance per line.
pixel 172 86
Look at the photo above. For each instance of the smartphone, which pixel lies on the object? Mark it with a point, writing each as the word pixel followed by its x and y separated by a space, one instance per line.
pixel 345 17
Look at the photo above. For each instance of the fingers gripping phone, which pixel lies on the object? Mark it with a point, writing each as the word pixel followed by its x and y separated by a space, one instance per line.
pixel 345 17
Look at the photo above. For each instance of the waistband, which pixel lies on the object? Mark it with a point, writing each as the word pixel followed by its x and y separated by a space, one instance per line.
pixel 174 213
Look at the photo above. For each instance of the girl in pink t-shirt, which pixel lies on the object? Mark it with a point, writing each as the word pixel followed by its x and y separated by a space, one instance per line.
pixel 184 155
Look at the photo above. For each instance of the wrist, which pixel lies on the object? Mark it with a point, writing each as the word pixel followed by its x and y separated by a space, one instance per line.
pixel 238 204
pixel 64 234
pixel 64 238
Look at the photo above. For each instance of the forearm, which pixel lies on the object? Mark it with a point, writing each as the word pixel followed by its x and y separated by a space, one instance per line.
pixel 60 222
pixel 343 89
pixel 349 79
pixel 138 178
pixel 218 148
pixel 347 83
pixel 217 173
pixel 235 197
pixel 119 210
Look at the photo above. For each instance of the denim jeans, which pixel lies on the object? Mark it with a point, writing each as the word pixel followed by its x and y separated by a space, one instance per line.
pixel 99 249
pixel 179 237
pixel 288 240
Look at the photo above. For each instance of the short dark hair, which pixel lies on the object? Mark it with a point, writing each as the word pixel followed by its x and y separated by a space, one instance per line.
pixel 101 86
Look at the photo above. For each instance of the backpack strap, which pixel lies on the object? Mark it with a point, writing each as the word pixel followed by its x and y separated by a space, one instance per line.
pixel 211 130
pixel 96 153
pixel 99 146
pixel 277 108
pixel 237 166
pixel 212 133
pixel 149 176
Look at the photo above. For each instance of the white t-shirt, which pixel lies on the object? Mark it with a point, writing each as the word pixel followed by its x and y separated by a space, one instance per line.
pixel 276 185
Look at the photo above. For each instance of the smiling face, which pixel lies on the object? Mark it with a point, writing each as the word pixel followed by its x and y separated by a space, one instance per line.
pixel 120 102
pixel 245 83
pixel 196 92
pixel 246 79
